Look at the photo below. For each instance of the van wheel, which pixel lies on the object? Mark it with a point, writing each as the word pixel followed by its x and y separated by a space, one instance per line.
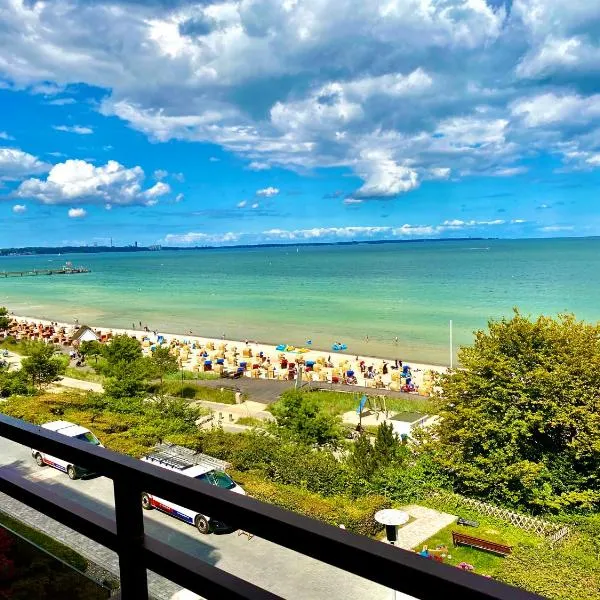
pixel 202 524
pixel 146 505
pixel 39 460
pixel 71 472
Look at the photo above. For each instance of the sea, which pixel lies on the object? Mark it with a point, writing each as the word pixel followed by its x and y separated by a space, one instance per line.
pixel 363 295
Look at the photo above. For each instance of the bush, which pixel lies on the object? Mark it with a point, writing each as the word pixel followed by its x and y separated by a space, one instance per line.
pixel 356 515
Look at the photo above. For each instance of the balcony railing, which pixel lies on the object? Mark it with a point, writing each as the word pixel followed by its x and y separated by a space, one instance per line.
pixel 381 563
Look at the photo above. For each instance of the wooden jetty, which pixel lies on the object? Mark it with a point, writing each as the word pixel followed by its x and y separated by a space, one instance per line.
pixel 41 272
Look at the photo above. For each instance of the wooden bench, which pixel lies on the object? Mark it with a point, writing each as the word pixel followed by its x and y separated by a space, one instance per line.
pixel 468 540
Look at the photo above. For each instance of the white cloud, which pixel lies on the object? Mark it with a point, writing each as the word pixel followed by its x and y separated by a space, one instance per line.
pixel 214 159
pixel 5 136
pixel 61 101
pixel 258 166
pixel 339 78
pixel 509 171
pixel 353 201
pixel 551 108
pixel 15 164
pixel 241 204
pixel 178 177
pixel 200 238
pixel 255 205
pixel 355 232
pixel 555 228
pixel 268 192
pixel 77 213
pixel 79 180
pixel 179 197
pixel 19 208
pixel 160 174
pixel 384 178
pixel 78 129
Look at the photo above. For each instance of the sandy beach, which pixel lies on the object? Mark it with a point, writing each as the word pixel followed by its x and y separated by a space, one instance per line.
pixel 265 360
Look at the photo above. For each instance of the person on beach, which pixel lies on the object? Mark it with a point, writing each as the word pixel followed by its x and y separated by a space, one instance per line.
pixel 396 340
pixel 367 339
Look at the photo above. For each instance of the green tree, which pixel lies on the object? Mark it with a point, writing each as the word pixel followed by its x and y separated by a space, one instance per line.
pixel 303 418
pixel 40 366
pixel 163 363
pixel 126 379
pixel 12 382
pixel 519 420
pixel 4 318
pixel 121 349
pixel 386 445
pixel 362 457
pixel 90 348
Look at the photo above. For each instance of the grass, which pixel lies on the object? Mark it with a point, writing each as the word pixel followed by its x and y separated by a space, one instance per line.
pixel 190 376
pixel 337 403
pixel 43 541
pixel 250 421
pixel 199 392
pixel 570 571
pixel 84 373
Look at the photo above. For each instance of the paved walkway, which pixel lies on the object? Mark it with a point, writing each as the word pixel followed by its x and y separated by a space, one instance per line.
pixel 427 522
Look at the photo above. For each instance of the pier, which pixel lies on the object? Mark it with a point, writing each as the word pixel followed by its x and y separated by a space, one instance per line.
pixel 41 272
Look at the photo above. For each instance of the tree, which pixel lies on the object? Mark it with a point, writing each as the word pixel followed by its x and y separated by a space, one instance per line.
pixel 121 348
pixel 163 362
pixel 4 318
pixel 90 348
pixel 518 422
pixel 126 380
pixel 41 366
pixel 386 445
pixel 302 417
pixel 361 457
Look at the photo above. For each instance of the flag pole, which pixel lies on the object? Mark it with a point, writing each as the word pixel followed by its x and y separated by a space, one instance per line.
pixel 451 348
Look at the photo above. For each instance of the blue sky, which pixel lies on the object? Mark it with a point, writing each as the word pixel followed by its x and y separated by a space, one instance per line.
pixel 249 121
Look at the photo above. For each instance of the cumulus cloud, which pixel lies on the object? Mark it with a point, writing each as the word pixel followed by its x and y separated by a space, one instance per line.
pixel 256 165
pixel 518 78
pixel 325 234
pixel 5 136
pixel 160 174
pixel 268 192
pixel 77 213
pixel 241 204
pixel 15 164
pixel 82 181
pixel 78 129
pixel 19 209
pixel 255 205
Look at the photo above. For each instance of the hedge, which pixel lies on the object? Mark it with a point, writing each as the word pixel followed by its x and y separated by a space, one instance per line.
pixel 357 515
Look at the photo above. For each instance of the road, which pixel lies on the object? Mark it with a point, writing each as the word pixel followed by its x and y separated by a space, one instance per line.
pixel 268 565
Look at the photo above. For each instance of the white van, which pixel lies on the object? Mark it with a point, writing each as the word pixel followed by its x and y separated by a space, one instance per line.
pixel 73 431
pixel 192 464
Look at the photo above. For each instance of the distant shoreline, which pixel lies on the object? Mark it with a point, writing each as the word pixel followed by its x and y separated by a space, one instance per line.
pixel 44 250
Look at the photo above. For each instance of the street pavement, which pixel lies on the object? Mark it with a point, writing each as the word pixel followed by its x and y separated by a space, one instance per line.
pixel 277 569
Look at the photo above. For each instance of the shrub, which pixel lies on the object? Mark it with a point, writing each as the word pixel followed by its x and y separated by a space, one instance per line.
pixel 356 515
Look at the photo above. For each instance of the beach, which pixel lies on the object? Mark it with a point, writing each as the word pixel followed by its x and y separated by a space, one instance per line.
pixel 191 349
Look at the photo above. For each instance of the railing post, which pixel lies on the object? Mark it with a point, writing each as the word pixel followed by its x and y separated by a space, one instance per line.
pixel 130 541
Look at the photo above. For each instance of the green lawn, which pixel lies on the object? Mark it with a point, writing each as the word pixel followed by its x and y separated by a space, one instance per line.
pixel 338 403
pixel 85 374
pixel 570 571
pixel 192 391
pixel 190 376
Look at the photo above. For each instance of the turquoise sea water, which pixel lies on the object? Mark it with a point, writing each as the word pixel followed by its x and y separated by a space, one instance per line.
pixel 326 293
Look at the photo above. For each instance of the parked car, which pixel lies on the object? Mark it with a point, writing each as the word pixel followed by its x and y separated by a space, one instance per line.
pixel 192 464
pixel 73 431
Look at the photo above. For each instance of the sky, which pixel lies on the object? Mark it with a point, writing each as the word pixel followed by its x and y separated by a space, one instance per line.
pixel 256 121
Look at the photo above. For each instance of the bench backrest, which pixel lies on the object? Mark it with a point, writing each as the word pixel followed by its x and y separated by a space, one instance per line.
pixel 469 540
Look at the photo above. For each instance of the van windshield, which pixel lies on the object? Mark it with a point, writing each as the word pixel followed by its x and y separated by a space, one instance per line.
pixel 88 437
pixel 218 478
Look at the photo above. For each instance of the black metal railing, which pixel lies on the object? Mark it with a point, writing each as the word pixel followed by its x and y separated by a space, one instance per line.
pixel 381 563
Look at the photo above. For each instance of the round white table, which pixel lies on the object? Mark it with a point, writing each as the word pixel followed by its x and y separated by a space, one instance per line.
pixel 391 518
